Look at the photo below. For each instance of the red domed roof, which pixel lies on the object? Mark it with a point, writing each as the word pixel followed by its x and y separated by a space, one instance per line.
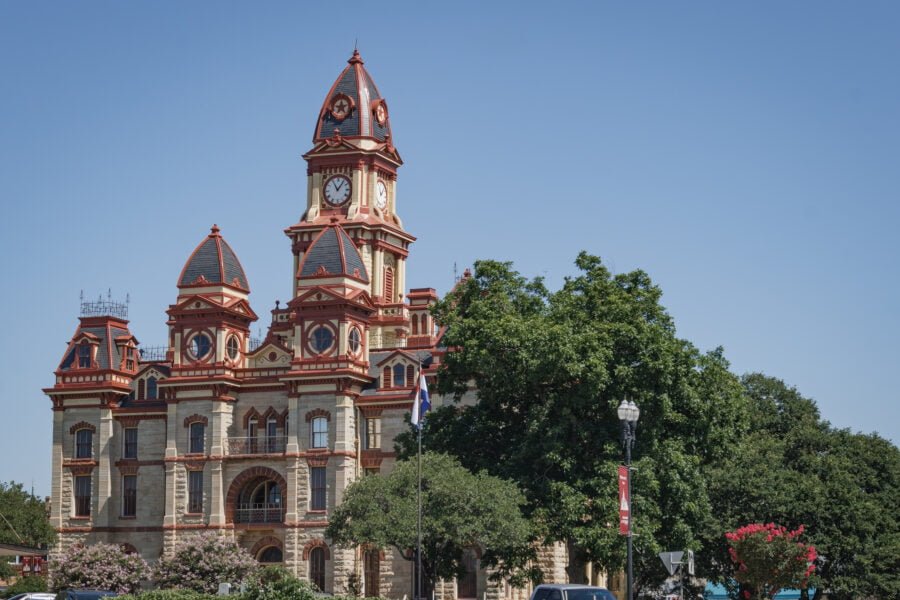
pixel 353 106
pixel 213 262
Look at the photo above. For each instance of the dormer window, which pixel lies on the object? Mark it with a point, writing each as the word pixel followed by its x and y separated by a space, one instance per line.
pixel 129 359
pixel 151 388
pixel 84 355
pixel 399 375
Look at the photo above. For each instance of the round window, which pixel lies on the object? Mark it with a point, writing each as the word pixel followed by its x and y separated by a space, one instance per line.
pixel 321 339
pixel 353 340
pixel 200 346
pixel 232 347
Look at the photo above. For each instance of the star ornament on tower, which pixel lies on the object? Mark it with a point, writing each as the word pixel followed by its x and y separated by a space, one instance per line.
pixel 341 107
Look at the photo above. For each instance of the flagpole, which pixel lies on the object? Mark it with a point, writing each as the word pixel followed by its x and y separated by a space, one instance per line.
pixel 419 514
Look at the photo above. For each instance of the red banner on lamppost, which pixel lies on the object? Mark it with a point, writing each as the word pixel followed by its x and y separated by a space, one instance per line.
pixel 624 502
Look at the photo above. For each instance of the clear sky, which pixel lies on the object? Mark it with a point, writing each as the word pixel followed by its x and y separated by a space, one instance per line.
pixel 744 154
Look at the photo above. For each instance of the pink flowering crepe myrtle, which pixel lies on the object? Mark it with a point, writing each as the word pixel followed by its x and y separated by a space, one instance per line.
pixel 769 558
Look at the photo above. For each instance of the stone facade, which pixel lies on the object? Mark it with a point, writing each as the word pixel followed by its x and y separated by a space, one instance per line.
pixel 259 439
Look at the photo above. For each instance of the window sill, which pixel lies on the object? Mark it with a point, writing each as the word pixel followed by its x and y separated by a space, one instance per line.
pixel 193 514
pixel 322 511
pixel 81 518
pixel 127 518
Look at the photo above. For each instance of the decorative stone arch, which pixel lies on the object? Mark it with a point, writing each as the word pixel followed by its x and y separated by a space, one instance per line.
pixel 250 414
pixel 368 547
pixel 271 413
pixel 188 421
pixel 245 477
pixel 264 543
pixel 316 543
pixel 318 412
pixel 82 425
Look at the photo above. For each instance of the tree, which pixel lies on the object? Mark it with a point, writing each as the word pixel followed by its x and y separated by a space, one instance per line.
pixel 550 370
pixel 795 469
pixel 769 558
pixel 98 566
pixel 24 517
pixel 32 583
pixel 202 561
pixel 460 511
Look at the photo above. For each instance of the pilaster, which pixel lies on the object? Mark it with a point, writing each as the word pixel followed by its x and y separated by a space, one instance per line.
pixel 102 496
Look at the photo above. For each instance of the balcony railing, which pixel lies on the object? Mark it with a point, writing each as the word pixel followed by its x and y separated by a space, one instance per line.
pixel 259 513
pixel 256 445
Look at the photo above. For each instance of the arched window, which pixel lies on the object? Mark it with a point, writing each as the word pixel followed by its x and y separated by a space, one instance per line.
pixel 388 284
pixel 410 376
pixel 272 554
pixel 151 388
pixel 399 375
pixel 386 378
pixel 317 567
pixel 84 443
pixel 252 431
pixel 272 435
pixel 415 324
pixel 319 433
pixel 197 439
pixel 260 501
pixel 141 391
pixel 467 585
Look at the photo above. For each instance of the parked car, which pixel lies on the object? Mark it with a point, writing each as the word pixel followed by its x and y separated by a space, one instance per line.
pixel 34 596
pixel 85 594
pixel 570 591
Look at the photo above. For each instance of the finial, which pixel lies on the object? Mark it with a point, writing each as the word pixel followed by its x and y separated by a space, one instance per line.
pixel 355 58
pixel 277 304
pixel 214 230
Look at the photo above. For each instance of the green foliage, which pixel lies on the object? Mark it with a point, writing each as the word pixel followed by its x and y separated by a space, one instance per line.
pixel 25 517
pixel 201 561
pixel 7 570
pixel 769 558
pixel 170 595
pixel 795 469
pixel 97 566
pixel 460 510
pixel 26 584
pixel 550 370
pixel 277 583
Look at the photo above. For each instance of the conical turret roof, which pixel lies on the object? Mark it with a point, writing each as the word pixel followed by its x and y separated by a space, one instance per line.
pixel 353 106
pixel 213 262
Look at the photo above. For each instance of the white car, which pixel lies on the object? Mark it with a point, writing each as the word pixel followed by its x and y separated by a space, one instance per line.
pixel 33 596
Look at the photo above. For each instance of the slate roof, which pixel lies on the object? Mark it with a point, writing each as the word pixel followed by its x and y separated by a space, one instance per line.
pixel 333 253
pixel 108 355
pixel 356 83
pixel 214 262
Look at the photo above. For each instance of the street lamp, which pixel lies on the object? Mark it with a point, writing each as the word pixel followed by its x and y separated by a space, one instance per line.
pixel 628 414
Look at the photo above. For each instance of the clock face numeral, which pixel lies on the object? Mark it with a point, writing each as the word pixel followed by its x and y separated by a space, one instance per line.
pixel 337 190
pixel 381 195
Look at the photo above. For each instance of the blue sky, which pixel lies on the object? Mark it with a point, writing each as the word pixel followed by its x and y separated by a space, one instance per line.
pixel 743 154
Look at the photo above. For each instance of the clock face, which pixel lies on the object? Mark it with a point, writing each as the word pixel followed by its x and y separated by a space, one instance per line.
pixel 381 195
pixel 337 190
pixel 381 113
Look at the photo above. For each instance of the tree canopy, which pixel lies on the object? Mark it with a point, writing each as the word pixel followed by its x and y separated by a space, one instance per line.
pixel 461 511
pixel 714 451
pixel 24 517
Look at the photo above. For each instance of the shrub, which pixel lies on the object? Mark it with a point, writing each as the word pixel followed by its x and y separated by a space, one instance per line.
pixel 99 566
pixel 200 562
pixel 170 595
pixel 277 583
pixel 769 558
pixel 26 584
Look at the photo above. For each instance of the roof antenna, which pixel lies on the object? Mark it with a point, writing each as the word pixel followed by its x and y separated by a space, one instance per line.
pixel 355 41
pixel 455 273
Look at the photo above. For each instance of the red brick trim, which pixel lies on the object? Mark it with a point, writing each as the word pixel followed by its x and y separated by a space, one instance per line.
pixel 317 543
pixel 128 469
pixel 267 542
pixel 128 422
pixel 317 412
pixel 317 461
pixel 82 425
pixel 195 418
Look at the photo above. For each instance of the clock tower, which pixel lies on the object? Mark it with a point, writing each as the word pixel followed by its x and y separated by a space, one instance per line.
pixel 352 182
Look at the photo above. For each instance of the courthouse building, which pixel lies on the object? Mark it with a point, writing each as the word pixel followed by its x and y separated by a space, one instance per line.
pixel 258 439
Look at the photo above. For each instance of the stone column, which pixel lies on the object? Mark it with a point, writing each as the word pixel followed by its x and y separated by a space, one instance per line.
pixel 170 517
pixel 221 419
pixel 104 507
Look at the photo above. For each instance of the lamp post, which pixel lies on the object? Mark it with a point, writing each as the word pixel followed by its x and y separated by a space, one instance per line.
pixel 628 415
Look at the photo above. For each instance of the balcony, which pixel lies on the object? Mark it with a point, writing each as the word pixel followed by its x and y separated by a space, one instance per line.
pixel 259 513
pixel 248 446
